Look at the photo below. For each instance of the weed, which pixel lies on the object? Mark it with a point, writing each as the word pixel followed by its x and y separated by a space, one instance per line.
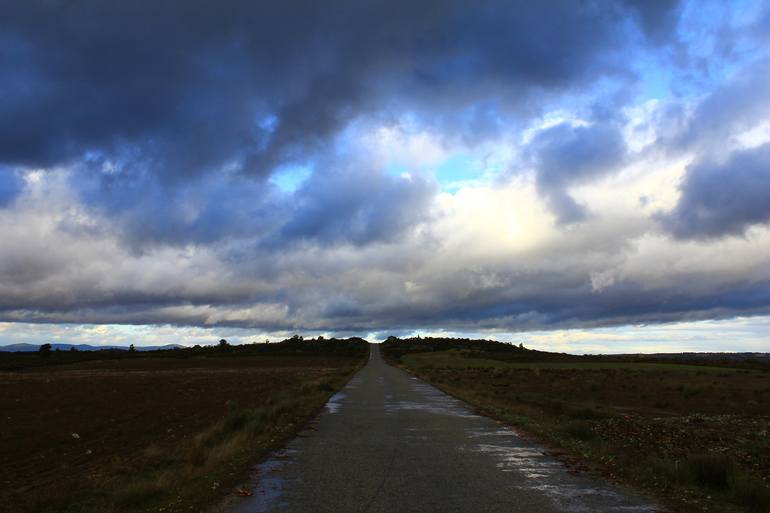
pixel 712 470
pixel 579 430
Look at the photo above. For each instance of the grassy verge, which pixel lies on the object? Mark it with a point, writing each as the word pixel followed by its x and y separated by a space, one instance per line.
pixel 219 459
pixel 187 461
pixel 696 437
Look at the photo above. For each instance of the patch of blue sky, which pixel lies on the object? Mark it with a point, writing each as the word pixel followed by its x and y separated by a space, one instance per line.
pixel 397 168
pixel 458 167
pixel 713 34
pixel 706 61
pixel 462 169
pixel 454 172
pixel 656 79
pixel 290 178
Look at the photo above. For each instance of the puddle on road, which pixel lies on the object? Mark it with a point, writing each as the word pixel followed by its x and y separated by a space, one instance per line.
pixel 434 401
pixel 476 433
pixel 545 474
pixel 269 484
pixel 268 478
pixel 334 403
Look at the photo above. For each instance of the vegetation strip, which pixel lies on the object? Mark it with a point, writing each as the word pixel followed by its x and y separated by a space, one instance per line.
pixel 696 436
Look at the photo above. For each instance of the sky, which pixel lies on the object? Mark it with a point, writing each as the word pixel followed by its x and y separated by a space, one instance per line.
pixel 580 176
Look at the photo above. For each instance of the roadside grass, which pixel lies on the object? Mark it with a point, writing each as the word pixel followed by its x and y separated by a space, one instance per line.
pixel 215 460
pixel 696 437
pixel 717 473
pixel 475 359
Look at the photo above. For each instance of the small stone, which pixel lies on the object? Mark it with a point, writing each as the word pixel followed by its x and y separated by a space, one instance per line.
pixel 76 436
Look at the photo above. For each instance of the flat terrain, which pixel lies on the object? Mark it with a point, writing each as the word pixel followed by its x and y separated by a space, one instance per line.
pixel 139 433
pixel 698 436
pixel 389 442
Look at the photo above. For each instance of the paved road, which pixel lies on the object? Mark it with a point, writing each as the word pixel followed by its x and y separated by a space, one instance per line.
pixel 392 443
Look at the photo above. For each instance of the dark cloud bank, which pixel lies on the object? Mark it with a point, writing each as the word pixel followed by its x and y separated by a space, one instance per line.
pixel 723 198
pixel 565 155
pixel 170 118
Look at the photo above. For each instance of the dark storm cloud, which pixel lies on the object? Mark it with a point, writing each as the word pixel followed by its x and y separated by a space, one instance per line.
pixel 658 17
pixel 147 212
pixel 723 198
pixel 188 85
pixel 164 93
pixel 566 155
pixel 738 104
pixel 533 302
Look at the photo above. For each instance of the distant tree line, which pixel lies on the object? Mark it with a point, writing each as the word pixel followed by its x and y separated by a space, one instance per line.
pixel 295 345
pixel 395 348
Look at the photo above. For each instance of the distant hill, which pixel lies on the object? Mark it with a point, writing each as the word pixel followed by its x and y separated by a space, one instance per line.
pixel 20 348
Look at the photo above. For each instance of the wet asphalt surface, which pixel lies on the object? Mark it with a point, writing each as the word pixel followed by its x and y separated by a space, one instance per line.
pixel 389 442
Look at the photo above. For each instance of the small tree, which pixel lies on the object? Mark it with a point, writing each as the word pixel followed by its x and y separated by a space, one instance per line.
pixel 44 350
pixel 223 344
pixel 131 348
